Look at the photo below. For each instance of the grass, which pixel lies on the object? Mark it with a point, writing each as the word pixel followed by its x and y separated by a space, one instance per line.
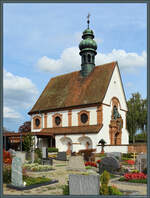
pixel 51 188
pixel 141 181
pixel 59 165
pixel 35 180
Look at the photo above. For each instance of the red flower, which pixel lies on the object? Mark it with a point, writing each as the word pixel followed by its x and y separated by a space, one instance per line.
pixel 98 161
pixel 130 162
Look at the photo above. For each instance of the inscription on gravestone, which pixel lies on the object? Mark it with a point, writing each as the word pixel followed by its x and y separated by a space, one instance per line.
pixel 16 173
pixel 84 184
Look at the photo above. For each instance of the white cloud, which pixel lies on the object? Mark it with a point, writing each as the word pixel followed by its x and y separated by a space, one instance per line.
pixel 19 92
pixel 10 113
pixel 70 60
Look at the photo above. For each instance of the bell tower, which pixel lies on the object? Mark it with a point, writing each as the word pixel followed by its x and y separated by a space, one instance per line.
pixel 87 51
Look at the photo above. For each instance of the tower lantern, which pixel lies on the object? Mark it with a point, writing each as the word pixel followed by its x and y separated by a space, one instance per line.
pixel 87 48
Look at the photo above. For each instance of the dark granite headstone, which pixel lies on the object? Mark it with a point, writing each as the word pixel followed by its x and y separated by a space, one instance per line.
pixel 48 161
pixel 117 155
pixel 61 156
pixel 110 164
pixel 84 184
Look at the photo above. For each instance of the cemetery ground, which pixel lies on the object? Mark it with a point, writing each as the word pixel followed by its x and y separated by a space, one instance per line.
pixel 61 173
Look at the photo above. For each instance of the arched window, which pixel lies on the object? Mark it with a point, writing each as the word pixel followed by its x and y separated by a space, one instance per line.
pixel 89 58
pixel 115 139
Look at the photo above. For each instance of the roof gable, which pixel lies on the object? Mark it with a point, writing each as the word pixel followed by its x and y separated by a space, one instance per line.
pixel 74 90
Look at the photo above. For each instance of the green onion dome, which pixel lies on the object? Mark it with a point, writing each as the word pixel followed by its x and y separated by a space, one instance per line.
pixel 88 42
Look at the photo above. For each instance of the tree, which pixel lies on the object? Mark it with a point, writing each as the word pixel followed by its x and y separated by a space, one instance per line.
pixel 28 142
pixel 136 115
pixel 26 127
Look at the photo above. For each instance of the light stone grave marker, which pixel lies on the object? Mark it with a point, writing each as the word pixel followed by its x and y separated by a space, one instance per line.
pixel 76 163
pixel 141 162
pixel 16 175
pixel 84 184
pixel 44 153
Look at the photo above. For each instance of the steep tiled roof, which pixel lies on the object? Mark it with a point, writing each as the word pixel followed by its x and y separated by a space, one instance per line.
pixel 74 90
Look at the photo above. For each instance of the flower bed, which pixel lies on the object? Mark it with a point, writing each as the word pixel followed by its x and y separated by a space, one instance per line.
pixel 37 167
pixel 7 159
pixel 93 164
pixel 134 178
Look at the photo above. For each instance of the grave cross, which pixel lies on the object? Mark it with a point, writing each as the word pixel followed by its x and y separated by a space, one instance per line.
pixel 88 21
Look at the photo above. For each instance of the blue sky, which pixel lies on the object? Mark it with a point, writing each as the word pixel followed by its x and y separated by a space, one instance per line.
pixel 41 41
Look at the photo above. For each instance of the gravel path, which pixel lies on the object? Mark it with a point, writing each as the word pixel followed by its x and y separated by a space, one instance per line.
pixel 61 173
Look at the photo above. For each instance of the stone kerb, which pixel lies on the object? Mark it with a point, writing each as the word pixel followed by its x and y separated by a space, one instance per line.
pixel 84 184
pixel 76 163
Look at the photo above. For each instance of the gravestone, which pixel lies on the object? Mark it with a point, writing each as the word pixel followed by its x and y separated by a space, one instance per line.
pixel 48 161
pixel 141 162
pixel 61 156
pixel 117 155
pixel 44 152
pixel 110 164
pixel 84 184
pixel 76 163
pixel 21 155
pixel 16 172
pixel 12 152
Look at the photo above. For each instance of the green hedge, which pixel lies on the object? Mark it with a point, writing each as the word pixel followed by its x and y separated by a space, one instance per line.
pixel 52 149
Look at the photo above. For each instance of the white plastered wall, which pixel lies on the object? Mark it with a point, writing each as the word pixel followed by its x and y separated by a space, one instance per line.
pixel 75 140
pixel 114 90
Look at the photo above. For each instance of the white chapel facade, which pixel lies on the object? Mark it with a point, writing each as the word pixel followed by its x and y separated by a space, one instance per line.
pixel 76 110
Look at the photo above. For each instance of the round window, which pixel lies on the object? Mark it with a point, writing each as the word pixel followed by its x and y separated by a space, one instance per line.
pixel 84 117
pixel 37 122
pixel 57 120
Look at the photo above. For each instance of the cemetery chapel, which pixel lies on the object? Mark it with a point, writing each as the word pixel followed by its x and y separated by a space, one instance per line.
pixel 78 109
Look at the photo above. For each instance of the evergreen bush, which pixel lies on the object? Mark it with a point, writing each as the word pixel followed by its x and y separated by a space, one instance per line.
pixel 104 179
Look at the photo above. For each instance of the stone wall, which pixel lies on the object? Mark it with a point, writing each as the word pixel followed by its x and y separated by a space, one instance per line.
pixel 137 148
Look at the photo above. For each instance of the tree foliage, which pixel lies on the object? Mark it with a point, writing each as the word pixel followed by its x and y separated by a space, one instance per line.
pixel 28 142
pixel 26 127
pixel 136 115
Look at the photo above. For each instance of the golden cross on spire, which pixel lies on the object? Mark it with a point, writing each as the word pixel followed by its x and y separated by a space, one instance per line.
pixel 88 21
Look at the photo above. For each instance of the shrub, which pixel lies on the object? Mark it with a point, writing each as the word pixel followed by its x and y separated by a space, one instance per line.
pixel 128 155
pixel 52 149
pixel 6 174
pixel 66 189
pixel 104 179
pixel 7 159
pixel 145 171
pixel 113 190
pixel 38 152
